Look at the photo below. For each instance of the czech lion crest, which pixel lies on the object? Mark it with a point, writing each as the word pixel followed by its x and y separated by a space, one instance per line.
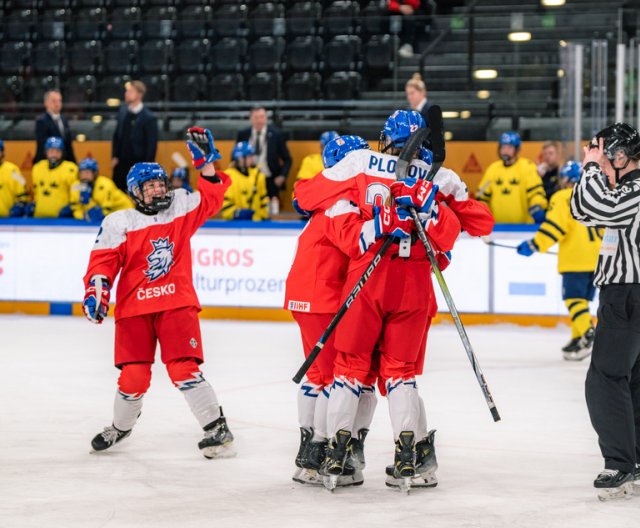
pixel 160 259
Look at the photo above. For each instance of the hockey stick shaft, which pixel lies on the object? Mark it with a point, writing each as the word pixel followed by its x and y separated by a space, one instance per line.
pixel 497 244
pixel 456 317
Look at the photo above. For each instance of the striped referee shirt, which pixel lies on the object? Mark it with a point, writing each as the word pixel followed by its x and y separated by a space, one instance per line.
pixel 594 204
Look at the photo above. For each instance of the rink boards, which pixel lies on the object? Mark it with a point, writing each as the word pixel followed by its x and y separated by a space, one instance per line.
pixel 244 265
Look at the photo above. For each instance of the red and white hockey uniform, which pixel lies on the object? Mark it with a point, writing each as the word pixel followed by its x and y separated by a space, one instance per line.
pixel 152 253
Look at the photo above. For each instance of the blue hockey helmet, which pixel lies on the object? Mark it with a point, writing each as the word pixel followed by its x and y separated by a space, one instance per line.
pixel 339 147
pixel 426 155
pixel 398 128
pixel 180 173
pixel 88 164
pixel 510 138
pixel 571 171
pixel 138 175
pixel 242 149
pixel 327 136
pixel 54 142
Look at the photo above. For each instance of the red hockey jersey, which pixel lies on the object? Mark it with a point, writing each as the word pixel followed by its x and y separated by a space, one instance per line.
pixel 152 253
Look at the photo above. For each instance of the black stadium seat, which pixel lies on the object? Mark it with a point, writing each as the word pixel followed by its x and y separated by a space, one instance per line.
pixel 38 86
pixel 340 18
pixel 226 87
pixel 229 19
pixel 118 56
pixel 342 85
pixel 265 54
pixel 189 87
pixel 80 89
pixel 53 24
pixel 158 23
pixel 264 86
pixel 303 86
pixel 112 87
pixel 302 54
pixel 192 55
pixel 158 88
pixel 13 56
pixel 11 92
pixel 263 19
pixel 19 25
pixel 302 18
pixel 88 23
pixel 228 55
pixel 375 20
pixel 85 56
pixel 194 21
pixel 156 56
pixel 378 53
pixel 124 23
pixel 47 57
pixel 341 53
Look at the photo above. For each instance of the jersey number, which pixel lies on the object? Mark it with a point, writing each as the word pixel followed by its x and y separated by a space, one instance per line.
pixel 377 194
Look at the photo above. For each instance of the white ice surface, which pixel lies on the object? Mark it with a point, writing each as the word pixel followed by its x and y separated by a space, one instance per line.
pixel 533 469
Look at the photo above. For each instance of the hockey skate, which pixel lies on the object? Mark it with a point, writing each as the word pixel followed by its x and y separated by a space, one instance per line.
pixel 305 439
pixel 355 456
pixel 218 439
pixel 636 479
pixel 403 470
pixel 614 484
pixel 580 347
pixel 310 462
pixel 334 462
pixel 426 466
pixel 107 438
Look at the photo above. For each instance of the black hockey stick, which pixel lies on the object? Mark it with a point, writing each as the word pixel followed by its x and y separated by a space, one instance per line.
pixel 439 155
pixel 497 244
pixel 406 155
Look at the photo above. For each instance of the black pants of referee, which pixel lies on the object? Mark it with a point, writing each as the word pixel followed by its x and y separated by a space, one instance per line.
pixel 613 380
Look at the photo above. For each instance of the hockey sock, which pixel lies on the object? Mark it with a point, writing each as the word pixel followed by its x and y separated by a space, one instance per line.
pixel 343 404
pixel 422 422
pixel 202 400
pixel 320 415
pixel 366 407
pixel 580 316
pixel 404 405
pixel 307 399
pixel 134 381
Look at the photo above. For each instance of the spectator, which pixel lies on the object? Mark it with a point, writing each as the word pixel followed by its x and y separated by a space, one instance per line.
pixel 13 188
pixel 312 163
pixel 273 158
pixel 549 169
pixel 52 181
pixel 53 124
pixel 136 136
pixel 416 92
pixel 247 197
pixel 511 187
pixel 180 179
pixel 407 9
pixel 95 196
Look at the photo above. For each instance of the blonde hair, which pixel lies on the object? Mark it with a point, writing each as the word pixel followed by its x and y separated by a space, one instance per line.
pixel 417 83
pixel 551 143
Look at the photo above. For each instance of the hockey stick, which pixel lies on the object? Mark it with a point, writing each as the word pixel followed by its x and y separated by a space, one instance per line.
pixel 406 155
pixel 439 154
pixel 497 244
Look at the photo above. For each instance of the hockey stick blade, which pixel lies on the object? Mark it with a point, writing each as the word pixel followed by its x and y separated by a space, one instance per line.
pixel 406 155
pixel 490 242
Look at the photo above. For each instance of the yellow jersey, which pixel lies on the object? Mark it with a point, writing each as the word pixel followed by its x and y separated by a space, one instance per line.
pixel 105 195
pixel 13 187
pixel 511 191
pixel 52 187
pixel 246 192
pixel 311 165
pixel 578 245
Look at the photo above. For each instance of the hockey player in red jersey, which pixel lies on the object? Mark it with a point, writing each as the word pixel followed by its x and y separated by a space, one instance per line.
pixel 149 248
pixel 313 292
pixel 397 304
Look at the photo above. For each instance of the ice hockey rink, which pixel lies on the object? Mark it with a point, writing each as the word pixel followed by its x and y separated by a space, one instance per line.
pixel 533 469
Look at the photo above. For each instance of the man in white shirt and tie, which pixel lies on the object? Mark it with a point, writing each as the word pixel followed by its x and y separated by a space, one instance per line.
pixel 52 123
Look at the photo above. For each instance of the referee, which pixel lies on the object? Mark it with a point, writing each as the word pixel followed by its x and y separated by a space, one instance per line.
pixel 608 196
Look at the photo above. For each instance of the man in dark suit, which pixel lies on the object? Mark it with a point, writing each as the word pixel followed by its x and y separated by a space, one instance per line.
pixel 136 136
pixel 272 154
pixel 53 124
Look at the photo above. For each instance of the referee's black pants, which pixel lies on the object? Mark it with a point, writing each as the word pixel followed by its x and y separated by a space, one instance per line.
pixel 613 380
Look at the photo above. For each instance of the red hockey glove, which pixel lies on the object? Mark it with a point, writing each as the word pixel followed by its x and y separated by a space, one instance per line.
pixel 414 193
pixel 96 299
pixel 392 221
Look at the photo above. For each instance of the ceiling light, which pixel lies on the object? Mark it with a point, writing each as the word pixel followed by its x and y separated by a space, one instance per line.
pixel 519 36
pixel 113 101
pixel 560 72
pixel 96 119
pixel 483 94
pixel 451 115
pixel 485 74
pixel 448 136
pixel 80 138
pixel 465 114
pixel 553 3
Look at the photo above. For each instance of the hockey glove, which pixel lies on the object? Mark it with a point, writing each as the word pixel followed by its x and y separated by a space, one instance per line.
pixel 392 221
pixel 443 260
pixel 96 299
pixel 527 248
pixel 95 215
pixel 17 210
pixel 29 209
pixel 300 210
pixel 414 193
pixel 65 212
pixel 243 214
pixel 537 213
pixel 201 147
pixel 85 193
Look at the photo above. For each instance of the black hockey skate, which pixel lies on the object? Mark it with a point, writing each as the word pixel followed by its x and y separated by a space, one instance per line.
pixel 109 437
pixel 614 484
pixel 355 456
pixel 305 439
pixel 311 461
pixel 426 466
pixel 334 462
pixel 580 347
pixel 218 439
pixel 403 470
